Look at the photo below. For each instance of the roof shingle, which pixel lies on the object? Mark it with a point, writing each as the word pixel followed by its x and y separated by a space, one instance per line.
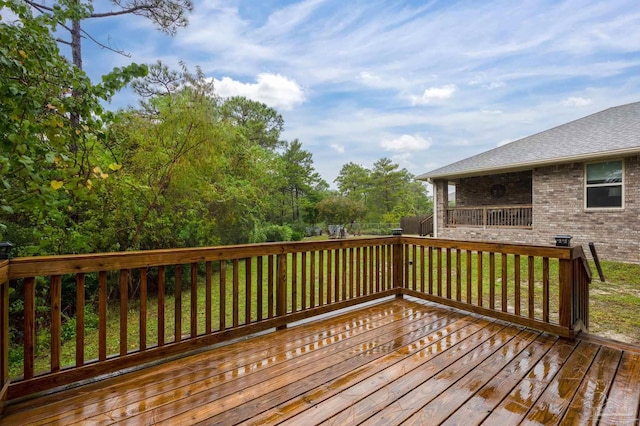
pixel 610 132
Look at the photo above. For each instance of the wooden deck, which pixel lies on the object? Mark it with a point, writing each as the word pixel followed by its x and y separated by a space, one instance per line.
pixel 399 361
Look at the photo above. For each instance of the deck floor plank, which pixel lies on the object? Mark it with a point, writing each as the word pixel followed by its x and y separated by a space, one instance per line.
pixel 554 401
pixel 516 405
pixel 448 401
pixel 622 403
pixel 586 406
pixel 219 391
pixel 395 361
pixel 364 405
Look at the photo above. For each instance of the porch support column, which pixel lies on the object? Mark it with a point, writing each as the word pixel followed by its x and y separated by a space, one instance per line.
pixel 440 204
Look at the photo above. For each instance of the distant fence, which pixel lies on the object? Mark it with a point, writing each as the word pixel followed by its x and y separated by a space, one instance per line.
pixel 417 225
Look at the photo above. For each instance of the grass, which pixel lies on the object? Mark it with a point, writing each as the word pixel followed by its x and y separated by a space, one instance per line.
pixel 614 305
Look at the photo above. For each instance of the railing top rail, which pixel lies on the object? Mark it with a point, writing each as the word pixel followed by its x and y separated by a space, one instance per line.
pixel 500 206
pixel 87 263
pixel 521 249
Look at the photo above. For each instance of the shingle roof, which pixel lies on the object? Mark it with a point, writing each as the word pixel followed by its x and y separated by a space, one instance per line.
pixel 610 132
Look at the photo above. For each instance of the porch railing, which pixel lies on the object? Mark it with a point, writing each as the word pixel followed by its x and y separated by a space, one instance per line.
pixel 514 216
pixel 183 299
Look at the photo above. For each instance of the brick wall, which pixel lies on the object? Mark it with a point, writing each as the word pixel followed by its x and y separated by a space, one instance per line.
pixel 476 191
pixel 558 208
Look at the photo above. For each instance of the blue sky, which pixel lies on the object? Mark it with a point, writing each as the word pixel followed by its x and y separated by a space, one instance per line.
pixel 423 83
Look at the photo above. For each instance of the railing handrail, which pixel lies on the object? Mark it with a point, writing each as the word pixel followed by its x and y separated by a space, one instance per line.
pixel 497 206
pixel 94 262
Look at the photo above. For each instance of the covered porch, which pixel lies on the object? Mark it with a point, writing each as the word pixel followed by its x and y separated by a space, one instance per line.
pixel 492 201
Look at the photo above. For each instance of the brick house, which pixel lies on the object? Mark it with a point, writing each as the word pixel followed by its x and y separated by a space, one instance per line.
pixel 581 178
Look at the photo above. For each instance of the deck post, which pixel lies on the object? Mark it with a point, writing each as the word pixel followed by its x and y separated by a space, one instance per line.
pixel 4 333
pixel 566 293
pixel 281 288
pixel 398 267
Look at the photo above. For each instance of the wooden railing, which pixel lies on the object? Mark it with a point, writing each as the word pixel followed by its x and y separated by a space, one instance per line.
pixel 514 216
pixel 183 299
pixel 4 332
pixel 426 226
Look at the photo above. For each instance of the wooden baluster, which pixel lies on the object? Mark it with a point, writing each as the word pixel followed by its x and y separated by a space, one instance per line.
pixel 124 308
pixel 448 278
pixel 337 275
pixel 458 276
pixel 479 277
pixel 248 297
pixel 161 301
pixel 545 289
pixel 423 270
pixel 389 261
pixel 208 299
pixel 236 293
pixel 505 282
pixel 358 261
pixel 312 279
pixel 223 295
pixel 56 321
pixel 414 258
pixel 29 336
pixel 281 287
pixel 294 282
pixel 259 289
pixel 516 279
pixel 531 282
pixel 439 271
pixel 468 263
pixel 430 270
pixel 329 277
pixel 142 330
pixel 270 284
pixel 177 329
pixel 304 281
pixel 321 297
pixel 378 271
pixel 365 270
pixel 351 272
pixel 492 280
pixel 194 300
pixel 344 275
pixel 80 297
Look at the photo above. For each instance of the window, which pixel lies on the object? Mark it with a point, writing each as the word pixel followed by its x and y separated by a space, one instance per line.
pixel 604 185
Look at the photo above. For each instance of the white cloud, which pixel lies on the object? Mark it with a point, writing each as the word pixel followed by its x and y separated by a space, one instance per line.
pixel 434 93
pixel 274 90
pixel 577 102
pixel 339 148
pixel 406 144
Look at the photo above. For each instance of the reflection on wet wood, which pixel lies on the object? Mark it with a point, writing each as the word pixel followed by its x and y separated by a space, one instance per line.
pixel 400 361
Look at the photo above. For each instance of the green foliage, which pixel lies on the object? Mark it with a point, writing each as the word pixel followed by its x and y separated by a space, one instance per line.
pixel 275 233
pixel 336 210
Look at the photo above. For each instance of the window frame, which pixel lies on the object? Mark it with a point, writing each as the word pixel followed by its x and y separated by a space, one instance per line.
pixel 600 185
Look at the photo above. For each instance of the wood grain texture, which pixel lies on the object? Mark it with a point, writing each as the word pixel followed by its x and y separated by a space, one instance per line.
pixel 396 361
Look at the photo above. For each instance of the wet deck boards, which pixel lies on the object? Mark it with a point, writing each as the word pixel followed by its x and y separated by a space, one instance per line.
pixel 397 362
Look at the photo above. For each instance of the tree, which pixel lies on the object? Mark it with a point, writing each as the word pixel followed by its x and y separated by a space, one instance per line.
pixel 167 15
pixel 388 184
pixel 299 175
pixel 41 173
pixel 338 210
pixel 354 181
pixel 258 123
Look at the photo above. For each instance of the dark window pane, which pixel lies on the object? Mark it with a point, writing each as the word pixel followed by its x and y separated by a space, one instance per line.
pixel 604 196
